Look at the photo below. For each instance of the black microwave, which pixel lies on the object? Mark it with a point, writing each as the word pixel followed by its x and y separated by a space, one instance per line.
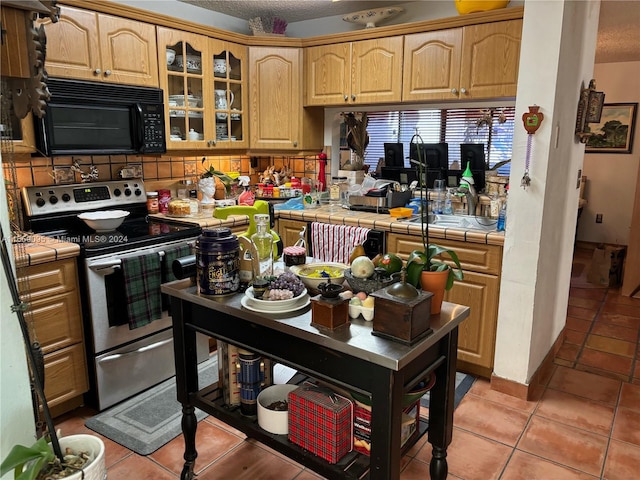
pixel 92 118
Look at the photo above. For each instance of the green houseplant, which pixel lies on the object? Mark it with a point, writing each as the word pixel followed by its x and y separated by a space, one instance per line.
pixel 428 262
pixel 83 458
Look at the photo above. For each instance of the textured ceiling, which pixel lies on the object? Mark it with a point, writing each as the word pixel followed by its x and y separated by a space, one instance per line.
pixel 618 32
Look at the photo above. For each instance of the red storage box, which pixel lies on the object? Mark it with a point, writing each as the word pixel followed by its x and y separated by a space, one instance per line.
pixel 321 421
pixel 362 426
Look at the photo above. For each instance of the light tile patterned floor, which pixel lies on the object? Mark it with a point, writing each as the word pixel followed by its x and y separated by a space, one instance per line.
pixel 585 425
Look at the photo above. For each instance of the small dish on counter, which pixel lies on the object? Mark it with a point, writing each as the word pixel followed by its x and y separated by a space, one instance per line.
pixel 273 305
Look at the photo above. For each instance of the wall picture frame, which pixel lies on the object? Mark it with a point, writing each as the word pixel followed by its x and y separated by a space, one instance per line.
pixel 614 132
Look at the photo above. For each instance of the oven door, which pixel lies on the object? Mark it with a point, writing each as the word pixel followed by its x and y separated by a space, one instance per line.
pixel 126 361
pixel 105 294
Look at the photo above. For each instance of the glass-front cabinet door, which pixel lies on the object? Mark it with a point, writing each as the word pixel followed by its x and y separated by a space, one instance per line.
pixel 229 95
pixel 185 64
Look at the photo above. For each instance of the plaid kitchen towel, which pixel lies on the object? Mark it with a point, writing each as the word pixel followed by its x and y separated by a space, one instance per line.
pixel 334 243
pixel 142 289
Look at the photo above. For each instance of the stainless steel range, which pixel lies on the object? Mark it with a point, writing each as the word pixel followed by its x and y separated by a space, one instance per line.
pixel 123 358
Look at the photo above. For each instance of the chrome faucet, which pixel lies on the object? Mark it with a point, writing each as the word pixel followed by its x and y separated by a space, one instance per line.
pixel 470 195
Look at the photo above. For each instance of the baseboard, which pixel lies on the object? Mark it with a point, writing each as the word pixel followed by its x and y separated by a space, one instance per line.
pixel 539 380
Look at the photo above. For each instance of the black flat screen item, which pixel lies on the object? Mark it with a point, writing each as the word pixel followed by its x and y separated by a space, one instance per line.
pixel 436 158
pixel 473 153
pixel 394 155
pixel 402 175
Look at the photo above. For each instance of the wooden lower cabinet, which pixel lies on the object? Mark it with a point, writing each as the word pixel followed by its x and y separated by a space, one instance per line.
pixel 55 316
pixel 289 230
pixel 478 290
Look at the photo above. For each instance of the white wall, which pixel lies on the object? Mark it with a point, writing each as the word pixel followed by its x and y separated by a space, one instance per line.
pixel 612 177
pixel 541 222
pixel 16 415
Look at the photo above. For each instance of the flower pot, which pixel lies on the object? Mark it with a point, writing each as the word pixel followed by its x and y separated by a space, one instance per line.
pixel 435 282
pixel 96 468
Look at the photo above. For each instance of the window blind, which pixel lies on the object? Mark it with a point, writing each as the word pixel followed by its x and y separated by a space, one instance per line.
pixel 454 126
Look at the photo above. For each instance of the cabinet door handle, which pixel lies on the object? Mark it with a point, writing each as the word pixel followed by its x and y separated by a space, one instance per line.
pixel 353 97
pixel 97 71
pixel 346 97
pixel 295 144
pixel 454 91
pixel 463 90
pixel 107 73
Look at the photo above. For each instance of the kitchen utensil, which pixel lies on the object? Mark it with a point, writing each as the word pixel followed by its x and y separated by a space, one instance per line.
pixel 104 220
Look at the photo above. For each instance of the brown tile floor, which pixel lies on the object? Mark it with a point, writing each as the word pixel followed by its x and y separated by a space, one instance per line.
pixel 586 424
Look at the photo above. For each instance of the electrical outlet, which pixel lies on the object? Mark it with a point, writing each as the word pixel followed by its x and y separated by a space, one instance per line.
pixel 598 218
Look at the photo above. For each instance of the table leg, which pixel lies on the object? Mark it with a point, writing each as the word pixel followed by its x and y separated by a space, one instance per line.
pixel 441 405
pixel 189 426
pixel 386 413
pixel 185 351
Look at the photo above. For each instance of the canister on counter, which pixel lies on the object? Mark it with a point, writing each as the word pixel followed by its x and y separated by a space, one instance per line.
pixel 218 262
pixel 152 202
pixel 164 195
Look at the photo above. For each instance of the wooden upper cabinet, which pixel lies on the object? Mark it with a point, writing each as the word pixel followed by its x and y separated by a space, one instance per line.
pixel 354 73
pixel 432 65
pixel 91 46
pixel 328 74
pixel 277 119
pixel 478 61
pixel 491 58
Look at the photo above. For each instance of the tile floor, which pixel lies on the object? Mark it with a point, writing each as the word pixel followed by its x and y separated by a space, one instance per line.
pixel 585 425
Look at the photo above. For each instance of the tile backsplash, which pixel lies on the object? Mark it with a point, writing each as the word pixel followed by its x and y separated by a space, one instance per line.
pixel 44 170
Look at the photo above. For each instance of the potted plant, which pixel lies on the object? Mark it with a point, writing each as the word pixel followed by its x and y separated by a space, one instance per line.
pixel 207 182
pixel 425 268
pixel 83 458
pixel 83 455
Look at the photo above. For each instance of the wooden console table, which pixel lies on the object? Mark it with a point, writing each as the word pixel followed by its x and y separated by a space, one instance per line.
pixel 349 357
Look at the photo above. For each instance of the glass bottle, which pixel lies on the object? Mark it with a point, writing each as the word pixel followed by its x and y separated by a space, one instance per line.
pixel 263 240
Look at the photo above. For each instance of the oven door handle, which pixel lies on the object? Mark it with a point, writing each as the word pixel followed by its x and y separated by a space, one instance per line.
pixel 146 348
pixel 107 268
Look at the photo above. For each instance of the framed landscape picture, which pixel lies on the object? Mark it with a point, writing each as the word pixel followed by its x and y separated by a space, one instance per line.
pixel 614 132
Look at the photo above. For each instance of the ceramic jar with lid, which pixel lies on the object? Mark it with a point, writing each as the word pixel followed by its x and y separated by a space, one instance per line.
pixel 218 262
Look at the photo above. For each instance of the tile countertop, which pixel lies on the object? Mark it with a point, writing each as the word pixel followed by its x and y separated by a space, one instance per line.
pixel 36 249
pixel 206 222
pixel 378 221
pixel 381 221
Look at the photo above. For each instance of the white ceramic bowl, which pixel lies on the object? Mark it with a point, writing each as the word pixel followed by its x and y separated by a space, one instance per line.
pixel 171 56
pixel 274 305
pixel 369 18
pixel 104 220
pixel 308 273
pixel 274 421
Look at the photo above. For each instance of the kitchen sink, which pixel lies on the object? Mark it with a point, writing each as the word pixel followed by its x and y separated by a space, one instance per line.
pixel 465 222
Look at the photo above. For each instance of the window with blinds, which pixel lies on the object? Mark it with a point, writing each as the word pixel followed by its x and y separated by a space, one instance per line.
pixel 454 126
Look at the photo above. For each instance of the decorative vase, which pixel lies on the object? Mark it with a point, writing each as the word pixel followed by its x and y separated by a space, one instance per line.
pixel 435 282
pixel 208 188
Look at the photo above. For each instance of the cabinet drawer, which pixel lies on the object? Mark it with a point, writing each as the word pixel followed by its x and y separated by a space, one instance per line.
pixel 52 278
pixel 474 257
pixel 65 374
pixel 57 321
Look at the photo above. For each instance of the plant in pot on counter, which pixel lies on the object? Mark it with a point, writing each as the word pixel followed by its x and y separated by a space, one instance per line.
pixel 425 268
pixel 208 179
